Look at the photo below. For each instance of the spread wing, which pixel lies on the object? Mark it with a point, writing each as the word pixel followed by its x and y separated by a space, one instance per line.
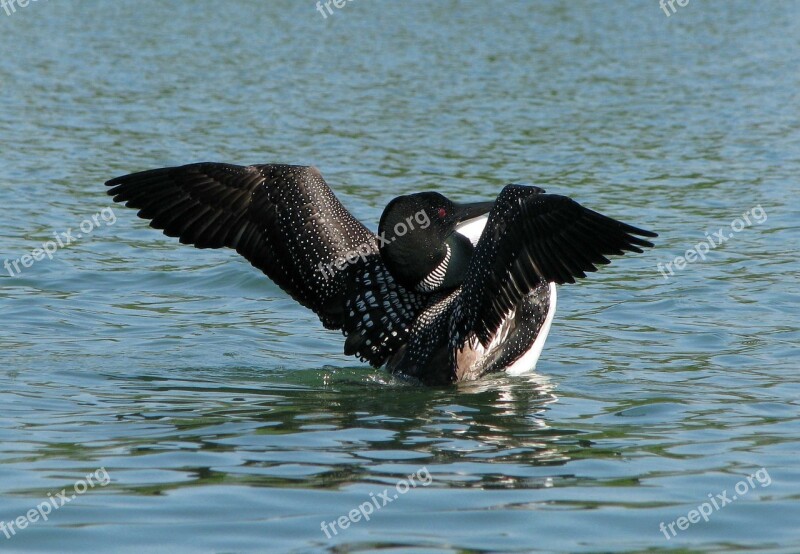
pixel 284 219
pixel 379 312
pixel 530 238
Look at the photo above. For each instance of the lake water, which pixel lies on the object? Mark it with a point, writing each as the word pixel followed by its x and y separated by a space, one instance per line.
pixel 215 415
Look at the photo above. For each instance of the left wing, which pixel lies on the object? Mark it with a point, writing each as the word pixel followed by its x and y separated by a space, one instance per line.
pixel 284 219
pixel 379 312
pixel 288 223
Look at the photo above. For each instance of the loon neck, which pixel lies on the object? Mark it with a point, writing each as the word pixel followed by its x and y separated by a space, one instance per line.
pixel 450 271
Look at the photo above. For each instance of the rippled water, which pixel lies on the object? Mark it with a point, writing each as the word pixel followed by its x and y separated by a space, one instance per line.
pixel 227 420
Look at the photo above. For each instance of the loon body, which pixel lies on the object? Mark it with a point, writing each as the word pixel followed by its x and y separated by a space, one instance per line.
pixel 444 292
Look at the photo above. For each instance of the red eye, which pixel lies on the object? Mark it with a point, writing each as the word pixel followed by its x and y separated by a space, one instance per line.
pixel 442 213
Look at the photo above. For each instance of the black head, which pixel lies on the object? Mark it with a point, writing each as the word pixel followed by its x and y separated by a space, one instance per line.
pixel 416 232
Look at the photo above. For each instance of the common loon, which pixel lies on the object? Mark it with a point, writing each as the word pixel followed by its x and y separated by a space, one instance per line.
pixel 445 292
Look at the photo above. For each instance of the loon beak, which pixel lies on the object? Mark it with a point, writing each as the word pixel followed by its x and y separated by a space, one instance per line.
pixel 465 212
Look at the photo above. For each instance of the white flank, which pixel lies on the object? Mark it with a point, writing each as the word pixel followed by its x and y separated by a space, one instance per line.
pixel 528 360
pixel 473 229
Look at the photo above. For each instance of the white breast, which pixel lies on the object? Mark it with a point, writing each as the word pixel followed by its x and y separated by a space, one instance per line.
pixel 472 228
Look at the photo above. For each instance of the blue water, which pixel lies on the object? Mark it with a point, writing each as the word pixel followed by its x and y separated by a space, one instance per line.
pixel 227 420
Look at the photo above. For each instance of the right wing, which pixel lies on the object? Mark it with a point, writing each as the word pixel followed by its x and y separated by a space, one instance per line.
pixel 532 238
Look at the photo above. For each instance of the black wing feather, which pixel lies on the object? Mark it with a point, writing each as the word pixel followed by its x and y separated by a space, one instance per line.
pixel 379 312
pixel 284 219
pixel 532 238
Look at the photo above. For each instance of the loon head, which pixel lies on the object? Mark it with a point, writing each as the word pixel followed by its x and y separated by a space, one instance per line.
pixel 419 242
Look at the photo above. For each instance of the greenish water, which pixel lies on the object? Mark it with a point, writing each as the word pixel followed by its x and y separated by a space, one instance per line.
pixel 227 420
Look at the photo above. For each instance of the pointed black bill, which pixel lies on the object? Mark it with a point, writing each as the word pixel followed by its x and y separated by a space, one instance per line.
pixel 465 212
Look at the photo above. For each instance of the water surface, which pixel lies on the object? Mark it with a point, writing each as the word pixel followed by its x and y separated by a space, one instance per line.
pixel 229 421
